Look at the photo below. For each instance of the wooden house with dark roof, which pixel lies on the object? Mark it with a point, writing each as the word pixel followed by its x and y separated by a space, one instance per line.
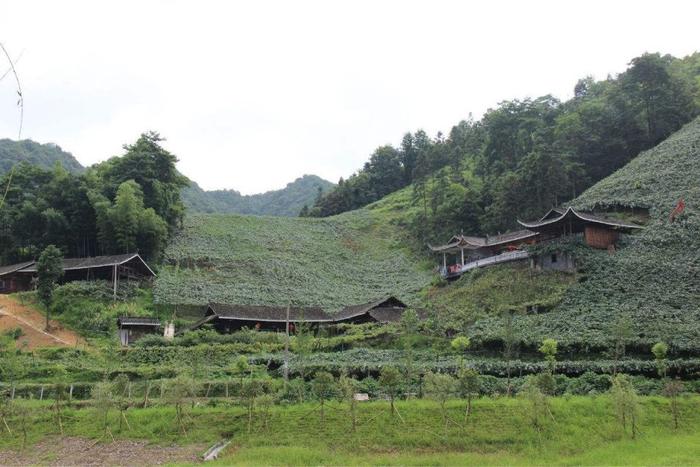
pixel 11 280
pixel 462 253
pixel 229 318
pixel 598 232
pixel 130 266
pixel 385 310
pixel 466 253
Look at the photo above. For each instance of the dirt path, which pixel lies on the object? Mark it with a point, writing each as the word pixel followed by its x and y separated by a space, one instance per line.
pixel 81 451
pixel 13 315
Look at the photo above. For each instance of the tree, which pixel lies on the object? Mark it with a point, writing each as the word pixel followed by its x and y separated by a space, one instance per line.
pixel 390 381
pixel 625 401
pixel 148 164
pixel 510 342
pixel 178 391
pixel 103 396
pixel 672 390
pixel 660 350
pixel 440 387
pixel 322 386
pixel 621 331
pixel 546 379
pixel 348 389
pixel 49 270
pixel 468 386
pixel 460 344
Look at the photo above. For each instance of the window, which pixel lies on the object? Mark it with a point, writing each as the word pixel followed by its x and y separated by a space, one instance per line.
pixel 2 284
pixel 554 257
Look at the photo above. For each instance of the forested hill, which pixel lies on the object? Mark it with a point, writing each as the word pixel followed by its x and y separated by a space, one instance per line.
pixel 31 152
pixel 288 201
pixel 645 292
pixel 525 156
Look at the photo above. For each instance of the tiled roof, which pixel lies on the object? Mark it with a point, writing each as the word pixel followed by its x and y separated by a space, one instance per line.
pixel 14 267
pixel 71 264
pixel 268 313
pixel 137 321
pixel 353 311
pixel 572 213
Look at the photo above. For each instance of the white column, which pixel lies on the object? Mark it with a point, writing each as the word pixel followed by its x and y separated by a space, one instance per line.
pixel 462 251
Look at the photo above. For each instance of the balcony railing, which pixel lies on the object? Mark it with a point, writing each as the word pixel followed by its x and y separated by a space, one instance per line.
pixel 458 269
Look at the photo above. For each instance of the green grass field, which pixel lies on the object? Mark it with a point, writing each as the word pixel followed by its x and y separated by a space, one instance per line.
pixel 583 431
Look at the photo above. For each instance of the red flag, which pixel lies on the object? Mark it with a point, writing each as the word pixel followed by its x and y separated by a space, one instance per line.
pixel 680 207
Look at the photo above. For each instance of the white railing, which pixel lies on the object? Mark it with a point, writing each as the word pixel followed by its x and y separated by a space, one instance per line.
pixel 480 263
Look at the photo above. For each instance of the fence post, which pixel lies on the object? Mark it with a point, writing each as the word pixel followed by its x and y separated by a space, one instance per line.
pixel 145 394
pixel 41 394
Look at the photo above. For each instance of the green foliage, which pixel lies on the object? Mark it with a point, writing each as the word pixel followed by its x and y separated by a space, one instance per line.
pixel 27 151
pixel 49 271
pixel 350 259
pixel 89 307
pixel 660 351
pixel 549 350
pixel 460 343
pixel 288 201
pixel 490 292
pixel 126 203
pixel 390 381
pixel 538 149
pixel 626 403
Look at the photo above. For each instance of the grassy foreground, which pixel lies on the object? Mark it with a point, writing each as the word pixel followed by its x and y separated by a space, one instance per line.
pixel 584 430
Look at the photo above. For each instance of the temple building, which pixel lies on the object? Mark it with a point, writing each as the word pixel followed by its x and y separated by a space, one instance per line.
pixel 598 232
pixel 463 253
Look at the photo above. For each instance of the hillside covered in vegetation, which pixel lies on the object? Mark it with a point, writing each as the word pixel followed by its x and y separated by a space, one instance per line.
pixel 647 291
pixel 30 152
pixel 525 156
pixel 288 201
pixel 343 260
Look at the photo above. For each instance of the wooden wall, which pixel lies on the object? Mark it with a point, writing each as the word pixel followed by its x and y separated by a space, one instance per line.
pixel 600 237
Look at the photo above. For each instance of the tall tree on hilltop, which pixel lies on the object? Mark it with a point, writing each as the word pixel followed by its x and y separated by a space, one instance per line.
pixel 665 101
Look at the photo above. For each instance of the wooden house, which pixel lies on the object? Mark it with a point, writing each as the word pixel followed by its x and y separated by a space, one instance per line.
pixel 132 328
pixel 385 310
pixel 598 232
pixel 13 280
pixel 229 318
pixel 130 266
pixel 462 253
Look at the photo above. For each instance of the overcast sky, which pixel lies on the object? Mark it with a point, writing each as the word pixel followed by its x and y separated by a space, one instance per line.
pixel 251 95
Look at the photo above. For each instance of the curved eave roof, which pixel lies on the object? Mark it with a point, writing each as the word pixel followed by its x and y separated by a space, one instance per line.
pixel 571 212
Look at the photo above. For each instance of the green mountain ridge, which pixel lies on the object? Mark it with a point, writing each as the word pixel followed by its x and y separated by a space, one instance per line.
pixel 287 201
pixel 31 152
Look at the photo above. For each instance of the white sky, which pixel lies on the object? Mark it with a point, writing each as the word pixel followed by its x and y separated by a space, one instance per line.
pixel 251 95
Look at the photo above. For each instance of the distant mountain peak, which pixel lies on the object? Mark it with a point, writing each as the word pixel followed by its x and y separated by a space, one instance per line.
pixel 43 155
pixel 287 201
